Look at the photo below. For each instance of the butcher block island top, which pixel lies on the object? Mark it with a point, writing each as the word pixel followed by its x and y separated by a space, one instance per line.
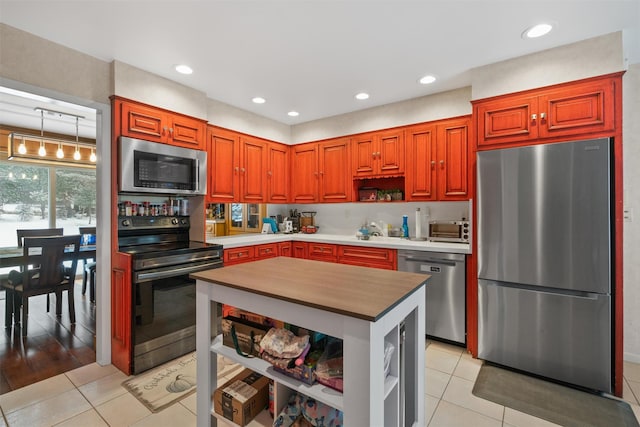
pixel 360 292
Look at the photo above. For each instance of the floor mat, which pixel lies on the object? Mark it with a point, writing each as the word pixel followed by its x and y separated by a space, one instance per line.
pixel 552 402
pixel 162 386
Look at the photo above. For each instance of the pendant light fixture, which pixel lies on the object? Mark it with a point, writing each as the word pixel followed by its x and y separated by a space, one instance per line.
pixel 76 154
pixel 22 149
pixel 33 148
pixel 42 151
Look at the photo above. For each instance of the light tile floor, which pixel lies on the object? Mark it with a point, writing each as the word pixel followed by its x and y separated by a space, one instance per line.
pixel 93 396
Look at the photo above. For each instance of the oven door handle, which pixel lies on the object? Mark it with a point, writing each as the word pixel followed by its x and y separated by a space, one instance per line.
pixel 172 272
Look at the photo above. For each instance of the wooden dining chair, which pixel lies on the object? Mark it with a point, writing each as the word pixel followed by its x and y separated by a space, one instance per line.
pixel 38 232
pixel 88 267
pixel 49 275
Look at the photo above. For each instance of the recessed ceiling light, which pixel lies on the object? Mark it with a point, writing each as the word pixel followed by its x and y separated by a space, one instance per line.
pixel 362 95
pixel 427 80
pixel 293 113
pixel 259 100
pixel 537 31
pixel 184 69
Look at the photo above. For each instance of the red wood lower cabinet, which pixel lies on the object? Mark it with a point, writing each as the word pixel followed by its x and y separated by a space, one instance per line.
pixel 322 252
pixel 368 257
pixel 239 255
pixel 284 249
pixel 268 250
pixel 299 250
pixel 121 295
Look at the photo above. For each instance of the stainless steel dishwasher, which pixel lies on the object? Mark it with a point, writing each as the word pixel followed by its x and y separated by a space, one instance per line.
pixel 446 291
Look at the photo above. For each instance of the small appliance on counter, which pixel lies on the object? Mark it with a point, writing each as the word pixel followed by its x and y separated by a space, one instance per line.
pixel 449 231
pixel 294 217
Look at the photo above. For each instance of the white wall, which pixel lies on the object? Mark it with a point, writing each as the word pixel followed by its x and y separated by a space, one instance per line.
pixel 133 83
pixel 588 58
pixel 631 195
pixel 427 108
pixel 35 61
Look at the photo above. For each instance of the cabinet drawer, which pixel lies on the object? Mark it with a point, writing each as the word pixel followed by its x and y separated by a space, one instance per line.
pixel 322 252
pixel 368 257
pixel 284 249
pixel 268 250
pixel 238 255
pixel 142 122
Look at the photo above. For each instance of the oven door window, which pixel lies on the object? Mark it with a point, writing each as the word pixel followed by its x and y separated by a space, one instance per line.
pixel 164 307
pixel 167 172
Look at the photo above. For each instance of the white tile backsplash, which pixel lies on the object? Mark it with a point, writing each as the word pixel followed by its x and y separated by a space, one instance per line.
pixel 346 218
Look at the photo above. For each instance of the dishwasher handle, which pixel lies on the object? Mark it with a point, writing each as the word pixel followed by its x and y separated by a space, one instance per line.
pixel 446 262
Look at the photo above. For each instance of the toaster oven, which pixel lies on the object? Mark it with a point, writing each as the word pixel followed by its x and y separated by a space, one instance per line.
pixel 449 231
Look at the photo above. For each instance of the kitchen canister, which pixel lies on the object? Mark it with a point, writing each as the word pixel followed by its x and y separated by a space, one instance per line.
pixel 184 207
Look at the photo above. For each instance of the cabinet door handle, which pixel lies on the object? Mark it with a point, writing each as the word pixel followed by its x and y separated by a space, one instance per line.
pixel 441 163
pixel 543 116
pixel 237 169
pixel 242 170
pixel 171 131
pixel 534 117
pixel 433 164
pixel 321 173
pixel 269 173
pixel 164 130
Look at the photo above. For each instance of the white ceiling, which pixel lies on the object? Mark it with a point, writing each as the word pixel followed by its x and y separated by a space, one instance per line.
pixel 314 56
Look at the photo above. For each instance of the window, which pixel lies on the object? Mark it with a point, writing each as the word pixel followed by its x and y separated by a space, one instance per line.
pixel 26 199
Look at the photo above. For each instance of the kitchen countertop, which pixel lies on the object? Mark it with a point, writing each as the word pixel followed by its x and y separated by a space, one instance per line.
pixel 339 239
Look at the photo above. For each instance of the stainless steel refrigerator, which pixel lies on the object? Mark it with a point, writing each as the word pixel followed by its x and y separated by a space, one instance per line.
pixel 545 260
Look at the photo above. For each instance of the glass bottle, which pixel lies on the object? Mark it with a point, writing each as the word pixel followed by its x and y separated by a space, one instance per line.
pixel 405 226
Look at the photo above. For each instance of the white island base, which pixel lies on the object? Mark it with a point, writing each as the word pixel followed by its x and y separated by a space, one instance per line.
pixel 364 307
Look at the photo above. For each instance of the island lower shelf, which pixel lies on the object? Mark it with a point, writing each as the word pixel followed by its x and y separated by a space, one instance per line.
pixel 317 391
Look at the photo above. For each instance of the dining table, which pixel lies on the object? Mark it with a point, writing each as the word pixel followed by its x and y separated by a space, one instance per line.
pixel 13 256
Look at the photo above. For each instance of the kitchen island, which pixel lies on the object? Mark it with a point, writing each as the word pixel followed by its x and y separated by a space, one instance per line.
pixel 365 307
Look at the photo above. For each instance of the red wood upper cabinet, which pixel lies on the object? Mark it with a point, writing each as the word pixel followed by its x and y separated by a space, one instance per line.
pixel 223 171
pixel 452 159
pixel 253 169
pixel 278 176
pixel 437 158
pixel 304 173
pixel 237 167
pixel 378 153
pixel 335 182
pixel 420 180
pixel 584 107
pixel 158 125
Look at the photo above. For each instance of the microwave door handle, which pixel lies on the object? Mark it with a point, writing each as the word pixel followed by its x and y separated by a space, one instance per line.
pixel 197 175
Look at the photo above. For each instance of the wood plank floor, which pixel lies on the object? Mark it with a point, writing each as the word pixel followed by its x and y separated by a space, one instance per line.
pixel 52 345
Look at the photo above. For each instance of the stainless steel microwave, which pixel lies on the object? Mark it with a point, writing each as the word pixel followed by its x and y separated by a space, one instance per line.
pixel 449 231
pixel 151 167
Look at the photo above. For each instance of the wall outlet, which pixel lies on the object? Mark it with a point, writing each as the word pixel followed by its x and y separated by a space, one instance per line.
pixel 627 214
